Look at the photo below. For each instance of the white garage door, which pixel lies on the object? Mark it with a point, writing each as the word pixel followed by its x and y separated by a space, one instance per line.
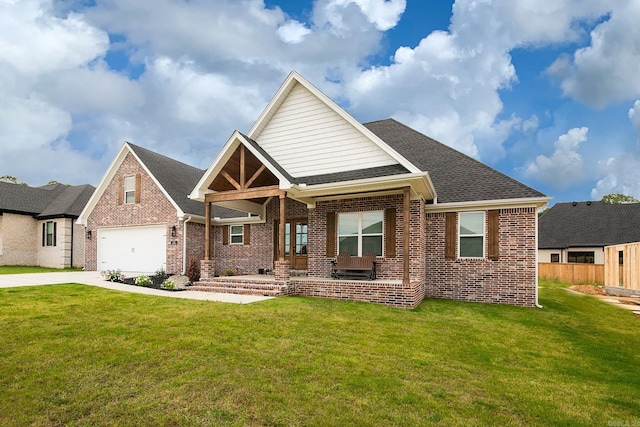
pixel 135 249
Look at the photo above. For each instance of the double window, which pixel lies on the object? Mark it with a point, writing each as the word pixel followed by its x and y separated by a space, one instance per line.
pixel 360 233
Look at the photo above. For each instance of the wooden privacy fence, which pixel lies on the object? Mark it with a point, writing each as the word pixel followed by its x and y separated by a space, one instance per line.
pixel 622 266
pixel 571 273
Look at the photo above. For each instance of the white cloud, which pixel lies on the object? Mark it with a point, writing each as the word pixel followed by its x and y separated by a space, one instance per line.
pixel 33 41
pixel 293 32
pixel 634 115
pixel 607 70
pixel 384 14
pixel 531 124
pixel 565 166
pixel 621 174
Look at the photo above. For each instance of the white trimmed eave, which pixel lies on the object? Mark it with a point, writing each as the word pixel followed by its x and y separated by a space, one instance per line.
pixel 108 177
pixel 537 202
pixel 202 188
pixel 284 90
pixel 420 183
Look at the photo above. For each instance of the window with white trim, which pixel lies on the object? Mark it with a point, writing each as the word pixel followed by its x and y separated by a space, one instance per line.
pixel 236 234
pixel 130 189
pixel 360 233
pixel 471 234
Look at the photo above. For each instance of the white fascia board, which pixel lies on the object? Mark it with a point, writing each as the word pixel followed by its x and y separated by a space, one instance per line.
pixel 155 180
pixel 534 202
pixel 102 186
pixel 421 186
pixel 284 90
pixel 284 182
pixel 202 188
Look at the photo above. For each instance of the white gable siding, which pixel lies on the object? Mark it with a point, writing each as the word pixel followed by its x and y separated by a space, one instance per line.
pixel 307 138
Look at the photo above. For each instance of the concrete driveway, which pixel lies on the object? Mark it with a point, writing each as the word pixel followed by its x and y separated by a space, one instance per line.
pixel 93 278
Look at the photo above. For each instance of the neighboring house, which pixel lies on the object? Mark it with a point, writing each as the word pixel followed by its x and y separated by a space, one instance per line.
pixel 37 224
pixel 579 231
pixel 319 183
pixel 139 215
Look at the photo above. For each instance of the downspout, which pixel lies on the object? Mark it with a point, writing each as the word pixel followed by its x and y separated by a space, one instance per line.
pixel 537 255
pixel 184 246
pixel 71 257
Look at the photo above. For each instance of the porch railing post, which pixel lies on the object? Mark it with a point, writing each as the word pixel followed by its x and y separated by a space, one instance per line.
pixel 207 231
pixel 283 219
pixel 405 237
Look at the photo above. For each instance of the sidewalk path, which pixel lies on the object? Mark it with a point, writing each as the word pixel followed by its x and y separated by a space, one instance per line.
pixel 93 278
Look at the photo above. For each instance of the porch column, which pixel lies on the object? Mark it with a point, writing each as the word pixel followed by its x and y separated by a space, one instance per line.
pixel 207 231
pixel 405 238
pixel 282 267
pixel 283 220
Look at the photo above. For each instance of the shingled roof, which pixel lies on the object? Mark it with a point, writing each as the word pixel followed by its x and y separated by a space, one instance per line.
pixel 587 224
pixel 48 201
pixel 178 179
pixel 456 176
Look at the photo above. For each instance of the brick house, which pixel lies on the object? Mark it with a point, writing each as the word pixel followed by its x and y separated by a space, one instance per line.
pixel 139 218
pixel 37 224
pixel 317 183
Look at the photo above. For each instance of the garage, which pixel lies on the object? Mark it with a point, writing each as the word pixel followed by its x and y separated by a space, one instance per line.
pixel 132 249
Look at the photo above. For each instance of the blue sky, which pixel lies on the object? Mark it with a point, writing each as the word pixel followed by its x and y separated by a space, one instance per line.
pixel 547 93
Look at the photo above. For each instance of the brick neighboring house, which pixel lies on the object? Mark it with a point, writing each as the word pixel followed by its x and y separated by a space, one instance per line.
pixel 442 224
pixel 37 225
pixel 139 215
pixel 579 231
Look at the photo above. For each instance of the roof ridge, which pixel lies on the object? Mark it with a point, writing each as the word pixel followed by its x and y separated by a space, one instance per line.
pixel 149 151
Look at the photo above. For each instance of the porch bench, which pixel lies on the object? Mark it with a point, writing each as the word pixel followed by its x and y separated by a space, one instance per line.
pixel 346 265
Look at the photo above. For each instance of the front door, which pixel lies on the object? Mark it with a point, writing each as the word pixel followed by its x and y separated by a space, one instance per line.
pixel 295 242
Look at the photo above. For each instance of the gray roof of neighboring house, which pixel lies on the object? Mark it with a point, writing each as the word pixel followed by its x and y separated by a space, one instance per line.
pixel 179 179
pixel 48 201
pixel 586 224
pixel 455 176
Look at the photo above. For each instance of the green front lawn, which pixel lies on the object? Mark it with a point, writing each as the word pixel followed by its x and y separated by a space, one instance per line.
pixel 23 269
pixel 80 355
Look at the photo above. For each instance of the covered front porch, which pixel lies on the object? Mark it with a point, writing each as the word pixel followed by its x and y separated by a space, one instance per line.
pixel 292 226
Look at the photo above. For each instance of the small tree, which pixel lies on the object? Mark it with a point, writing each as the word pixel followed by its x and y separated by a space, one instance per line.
pixel 617 199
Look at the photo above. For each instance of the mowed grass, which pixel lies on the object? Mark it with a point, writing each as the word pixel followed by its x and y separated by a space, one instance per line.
pixel 24 269
pixel 80 355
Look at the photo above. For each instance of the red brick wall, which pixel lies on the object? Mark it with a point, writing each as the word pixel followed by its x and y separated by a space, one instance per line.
pixel 153 209
pixel 320 264
pixel 247 259
pixel 509 280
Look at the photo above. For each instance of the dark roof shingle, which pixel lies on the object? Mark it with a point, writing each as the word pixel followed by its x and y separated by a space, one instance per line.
pixel 586 224
pixel 179 179
pixel 456 176
pixel 48 201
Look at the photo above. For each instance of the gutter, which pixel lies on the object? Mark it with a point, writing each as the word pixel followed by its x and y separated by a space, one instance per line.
pixel 184 245
pixel 537 259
